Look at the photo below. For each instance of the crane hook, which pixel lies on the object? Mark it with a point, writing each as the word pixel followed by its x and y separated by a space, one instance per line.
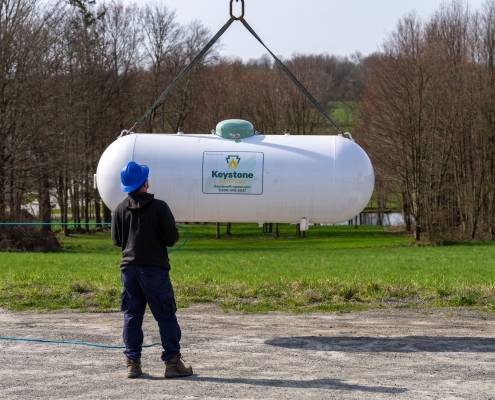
pixel 242 15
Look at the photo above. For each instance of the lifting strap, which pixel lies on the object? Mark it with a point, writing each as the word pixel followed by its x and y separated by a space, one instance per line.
pixel 289 73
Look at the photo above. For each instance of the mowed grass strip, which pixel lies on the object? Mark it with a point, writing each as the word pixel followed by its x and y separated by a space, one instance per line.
pixel 333 268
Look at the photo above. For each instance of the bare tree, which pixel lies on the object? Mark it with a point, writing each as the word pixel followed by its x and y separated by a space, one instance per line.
pixel 163 36
pixel 15 62
pixel 180 101
pixel 398 113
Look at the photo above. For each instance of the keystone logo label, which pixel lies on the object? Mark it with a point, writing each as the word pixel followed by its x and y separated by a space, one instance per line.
pixel 227 173
pixel 234 135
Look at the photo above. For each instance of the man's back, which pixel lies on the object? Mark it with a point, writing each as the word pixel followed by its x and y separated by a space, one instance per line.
pixel 143 227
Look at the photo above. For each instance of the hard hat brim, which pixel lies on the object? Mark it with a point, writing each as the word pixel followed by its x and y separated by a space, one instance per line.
pixel 136 185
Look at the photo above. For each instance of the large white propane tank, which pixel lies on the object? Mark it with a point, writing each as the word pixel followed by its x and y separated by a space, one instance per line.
pixel 245 178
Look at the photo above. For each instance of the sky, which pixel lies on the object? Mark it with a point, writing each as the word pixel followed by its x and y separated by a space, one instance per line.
pixel 287 27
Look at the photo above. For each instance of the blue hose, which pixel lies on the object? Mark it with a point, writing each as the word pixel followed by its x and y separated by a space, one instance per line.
pixel 97 344
pixel 97 223
pixel 106 346
pixel 185 240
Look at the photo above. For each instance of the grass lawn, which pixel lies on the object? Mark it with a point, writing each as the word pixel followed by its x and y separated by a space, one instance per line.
pixel 333 268
pixel 343 113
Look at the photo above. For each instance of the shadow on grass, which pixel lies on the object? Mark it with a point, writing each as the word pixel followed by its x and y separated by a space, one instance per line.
pixel 327 384
pixel 406 344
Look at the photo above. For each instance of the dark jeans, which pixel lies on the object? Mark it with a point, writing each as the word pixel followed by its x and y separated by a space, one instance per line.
pixel 149 285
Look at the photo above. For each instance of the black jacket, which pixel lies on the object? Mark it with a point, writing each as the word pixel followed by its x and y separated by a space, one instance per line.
pixel 143 227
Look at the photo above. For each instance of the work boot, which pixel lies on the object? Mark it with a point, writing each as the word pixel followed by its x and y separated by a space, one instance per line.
pixel 133 368
pixel 175 368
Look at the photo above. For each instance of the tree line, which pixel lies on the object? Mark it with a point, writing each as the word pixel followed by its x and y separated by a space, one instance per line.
pixel 74 74
pixel 428 121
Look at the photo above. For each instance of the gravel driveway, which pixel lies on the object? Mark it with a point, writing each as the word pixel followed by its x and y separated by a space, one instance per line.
pixel 390 353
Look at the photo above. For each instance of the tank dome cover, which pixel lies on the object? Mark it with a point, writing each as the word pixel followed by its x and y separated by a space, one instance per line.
pixel 234 129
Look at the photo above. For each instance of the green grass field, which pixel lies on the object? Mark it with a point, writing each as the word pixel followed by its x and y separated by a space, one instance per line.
pixel 343 113
pixel 333 268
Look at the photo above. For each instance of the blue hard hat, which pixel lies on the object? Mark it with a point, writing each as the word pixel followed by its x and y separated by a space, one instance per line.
pixel 133 176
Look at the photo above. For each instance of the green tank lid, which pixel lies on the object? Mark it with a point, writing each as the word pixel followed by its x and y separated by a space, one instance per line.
pixel 234 129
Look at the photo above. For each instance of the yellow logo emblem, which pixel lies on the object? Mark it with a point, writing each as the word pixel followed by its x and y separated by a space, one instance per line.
pixel 233 161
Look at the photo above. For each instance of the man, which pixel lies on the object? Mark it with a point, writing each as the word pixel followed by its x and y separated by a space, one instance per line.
pixel 143 227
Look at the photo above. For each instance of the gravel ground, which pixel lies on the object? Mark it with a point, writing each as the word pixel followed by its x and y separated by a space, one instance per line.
pixel 390 353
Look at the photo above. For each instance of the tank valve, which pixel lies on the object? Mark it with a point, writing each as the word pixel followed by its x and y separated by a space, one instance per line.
pixel 180 133
pixel 287 132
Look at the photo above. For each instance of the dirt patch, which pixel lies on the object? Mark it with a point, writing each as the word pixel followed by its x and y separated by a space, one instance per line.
pixel 392 353
pixel 27 238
